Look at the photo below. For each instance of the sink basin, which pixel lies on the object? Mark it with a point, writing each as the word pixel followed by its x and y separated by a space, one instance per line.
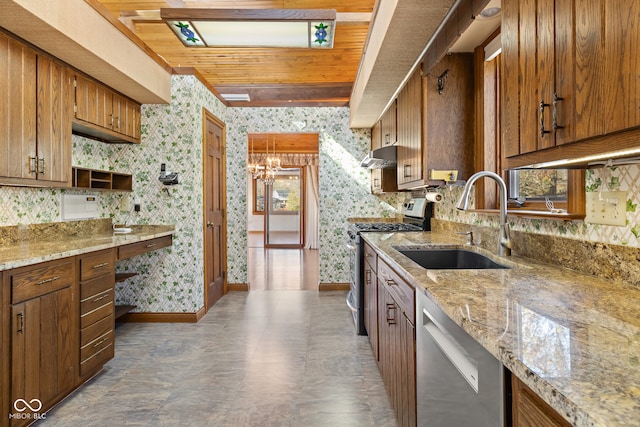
pixel 450 259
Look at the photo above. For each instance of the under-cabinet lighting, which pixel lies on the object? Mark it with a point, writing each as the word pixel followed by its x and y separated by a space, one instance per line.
pixel 282 28
pixel 592 160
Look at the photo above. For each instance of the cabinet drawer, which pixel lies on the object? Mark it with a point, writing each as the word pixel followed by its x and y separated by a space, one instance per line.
pixel 98 343
pixel 90 317
pixel 128 251
pixel 371 257
pixel 97 264
pixel 96 286
pixel 401 291
pixel 96 301
pixel 40 279
pixel 102 353
pixel 99 328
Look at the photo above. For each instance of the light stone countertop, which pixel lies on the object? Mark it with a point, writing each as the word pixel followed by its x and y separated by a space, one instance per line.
pixel 573 338
pixel 27 252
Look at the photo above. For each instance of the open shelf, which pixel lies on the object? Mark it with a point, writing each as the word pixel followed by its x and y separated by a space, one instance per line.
pixel 121 277
pixel 101 180
pixel 121 310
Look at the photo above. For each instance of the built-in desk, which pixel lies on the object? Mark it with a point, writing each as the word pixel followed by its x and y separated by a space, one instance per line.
pixel 57 303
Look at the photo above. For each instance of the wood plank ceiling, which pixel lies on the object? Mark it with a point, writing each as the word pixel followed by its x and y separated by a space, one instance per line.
pixel 270 76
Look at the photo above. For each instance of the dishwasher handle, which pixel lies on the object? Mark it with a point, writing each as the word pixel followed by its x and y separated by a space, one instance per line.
pixel 456 354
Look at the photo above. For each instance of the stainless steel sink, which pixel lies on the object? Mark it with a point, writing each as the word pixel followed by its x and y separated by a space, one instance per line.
pixel 449 259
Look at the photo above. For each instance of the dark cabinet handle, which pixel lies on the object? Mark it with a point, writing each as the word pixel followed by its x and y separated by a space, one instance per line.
pixel 33 164
pixel 368 277
pixel 41 165
pixel 542 107
pixel 391 320
pixel 20 323
pixel 407 171
pixel 556 99
pixel 376 183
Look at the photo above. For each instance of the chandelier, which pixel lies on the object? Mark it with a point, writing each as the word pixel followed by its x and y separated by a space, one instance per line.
pixel 265 172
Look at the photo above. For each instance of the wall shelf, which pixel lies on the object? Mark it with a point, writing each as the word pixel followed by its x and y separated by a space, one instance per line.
pixel 101 180
pixel 121 277
pixel 121 310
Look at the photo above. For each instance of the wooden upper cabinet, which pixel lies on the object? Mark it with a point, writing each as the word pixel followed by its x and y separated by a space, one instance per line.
pixel 436 124
pixel 571 73
pixel 622 63
pixel 54 115
pixel 35 120
pixel 17 109
pixel 409 132
pixel 103 114
pixel 388 126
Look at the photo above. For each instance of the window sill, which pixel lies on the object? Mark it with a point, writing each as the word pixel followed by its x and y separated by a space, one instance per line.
pixel 528 213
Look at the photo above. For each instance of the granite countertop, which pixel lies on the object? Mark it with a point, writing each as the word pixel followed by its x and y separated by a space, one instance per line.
pixel 18 253
pixel 573 338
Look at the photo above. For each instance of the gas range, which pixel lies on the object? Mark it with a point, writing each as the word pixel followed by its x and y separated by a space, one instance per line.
pixel 416 216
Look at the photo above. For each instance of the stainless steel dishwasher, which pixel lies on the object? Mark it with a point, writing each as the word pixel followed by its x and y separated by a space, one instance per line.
pixel 458 382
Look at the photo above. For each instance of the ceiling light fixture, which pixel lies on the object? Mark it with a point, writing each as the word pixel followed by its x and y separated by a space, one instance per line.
pixel 284 28
pixel 235 97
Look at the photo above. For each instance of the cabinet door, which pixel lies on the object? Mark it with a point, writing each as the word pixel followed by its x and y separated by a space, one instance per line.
pixel 389 126
pixel 621 50
pixel 132 119
pixel 407 351
pixel 42 355
pixel 86 105
pixel 376 135
pixel 409 132
pixel 17 109
pixel 55 103
pixel 529 410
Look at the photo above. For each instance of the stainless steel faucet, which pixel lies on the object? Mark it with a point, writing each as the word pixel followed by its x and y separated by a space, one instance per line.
pixel 504 242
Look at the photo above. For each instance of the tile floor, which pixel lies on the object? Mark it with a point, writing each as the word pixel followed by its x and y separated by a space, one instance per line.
pixel 259 358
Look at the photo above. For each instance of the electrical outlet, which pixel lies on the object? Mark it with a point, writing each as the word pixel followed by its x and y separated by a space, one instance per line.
pixel 607 207
pixel 125 204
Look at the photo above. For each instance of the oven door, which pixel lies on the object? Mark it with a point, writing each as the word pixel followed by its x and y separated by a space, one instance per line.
pixel 355 296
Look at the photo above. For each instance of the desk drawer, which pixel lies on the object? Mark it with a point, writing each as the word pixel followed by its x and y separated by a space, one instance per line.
pixel 97 264
pixel 96 301
pixel 99 328
pixel 96 353
pixel 90 317
pixel 40 279
pixel 128 251
pixel 96 286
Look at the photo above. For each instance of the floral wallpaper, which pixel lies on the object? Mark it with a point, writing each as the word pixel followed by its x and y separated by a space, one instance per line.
pixel 344 185
pixel 171 279
pixel 622 178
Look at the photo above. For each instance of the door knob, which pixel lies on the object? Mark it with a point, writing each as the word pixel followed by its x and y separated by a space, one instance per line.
pixel 209 224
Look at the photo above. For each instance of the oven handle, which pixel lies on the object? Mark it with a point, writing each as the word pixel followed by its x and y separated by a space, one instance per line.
pixel 351 247
pixel 351 307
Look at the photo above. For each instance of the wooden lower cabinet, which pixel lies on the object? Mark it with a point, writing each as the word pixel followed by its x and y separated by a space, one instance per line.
pixel 43 322
pixel 397 344
pixel 529 410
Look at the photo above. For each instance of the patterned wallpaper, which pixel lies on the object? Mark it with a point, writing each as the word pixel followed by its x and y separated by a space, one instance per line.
pixel 171 279
pixel 344 185
pixel 623 178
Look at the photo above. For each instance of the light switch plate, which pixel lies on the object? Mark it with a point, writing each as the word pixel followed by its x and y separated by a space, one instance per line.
pixel 607 207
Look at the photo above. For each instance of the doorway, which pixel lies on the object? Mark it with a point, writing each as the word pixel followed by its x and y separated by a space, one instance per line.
pixel 283 214
pixel 284 209
pixel 214 191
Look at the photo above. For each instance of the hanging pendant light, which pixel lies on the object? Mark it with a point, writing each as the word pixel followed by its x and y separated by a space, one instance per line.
pixel 269 175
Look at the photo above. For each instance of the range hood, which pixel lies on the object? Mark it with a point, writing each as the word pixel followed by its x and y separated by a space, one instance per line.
pixel 381 158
